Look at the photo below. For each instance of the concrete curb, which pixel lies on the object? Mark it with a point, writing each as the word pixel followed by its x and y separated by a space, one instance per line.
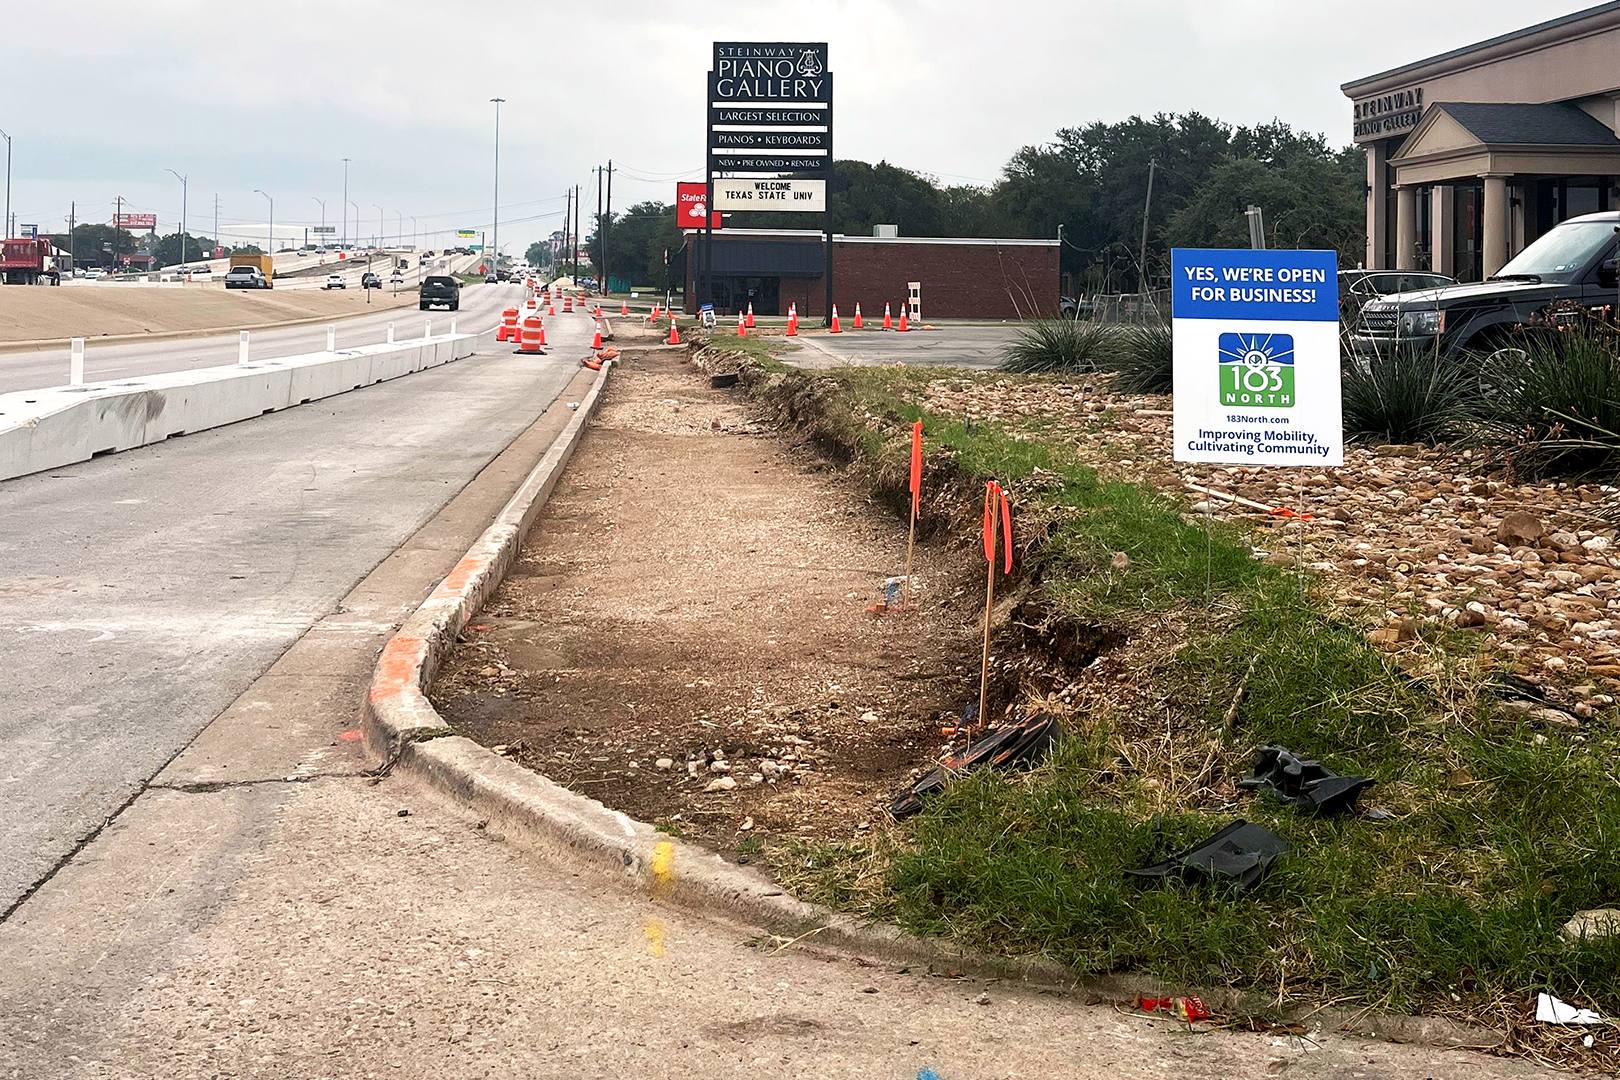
pixel 525 808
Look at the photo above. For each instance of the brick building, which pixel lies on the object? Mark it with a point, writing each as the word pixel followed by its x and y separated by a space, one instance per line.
pixel 960 278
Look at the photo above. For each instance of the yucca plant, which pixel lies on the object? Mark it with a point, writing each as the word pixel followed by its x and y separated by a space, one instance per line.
pixel 1551 398
pixel 1059 345
pixel 1406 395
pixel 1144 359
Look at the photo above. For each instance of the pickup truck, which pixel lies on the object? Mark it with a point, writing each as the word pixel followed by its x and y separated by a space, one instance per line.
pixel 1575 262
pixel 441 290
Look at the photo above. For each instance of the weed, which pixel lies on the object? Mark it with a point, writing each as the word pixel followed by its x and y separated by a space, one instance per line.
pixel 1552 400
pixel 1143 359
pixel 1406 395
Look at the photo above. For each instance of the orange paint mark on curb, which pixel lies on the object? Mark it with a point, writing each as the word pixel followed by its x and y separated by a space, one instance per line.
pixel 352 736
pixel 397 668
pixel 455 584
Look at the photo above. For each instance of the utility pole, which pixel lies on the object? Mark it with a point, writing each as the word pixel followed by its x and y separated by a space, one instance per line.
pixel 272 251
pixel 185 186
pixel 601 281
pixel 1141 266
pixel 346 205
pixel 497 223
pixel 568 212
pixel 216 221
pixel 577 236
pixel 607 229
pixel 73 210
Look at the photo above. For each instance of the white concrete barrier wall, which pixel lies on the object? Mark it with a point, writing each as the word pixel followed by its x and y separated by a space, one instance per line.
pixel 59 425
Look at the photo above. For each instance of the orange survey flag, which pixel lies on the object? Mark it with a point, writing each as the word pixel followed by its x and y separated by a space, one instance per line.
pixel 916 465
pixel 1006 529
pixel 990 522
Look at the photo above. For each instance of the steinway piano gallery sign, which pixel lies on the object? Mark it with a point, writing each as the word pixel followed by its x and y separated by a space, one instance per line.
pixel 766 71
pixel 770 107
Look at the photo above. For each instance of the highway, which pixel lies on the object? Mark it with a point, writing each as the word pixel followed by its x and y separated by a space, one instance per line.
pixel 143 591
pixel 480 309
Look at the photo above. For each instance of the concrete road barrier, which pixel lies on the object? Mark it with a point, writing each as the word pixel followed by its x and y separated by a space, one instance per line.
pixel 49 428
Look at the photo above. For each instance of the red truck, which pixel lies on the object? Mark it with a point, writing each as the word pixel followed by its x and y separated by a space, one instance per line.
pixel 24 262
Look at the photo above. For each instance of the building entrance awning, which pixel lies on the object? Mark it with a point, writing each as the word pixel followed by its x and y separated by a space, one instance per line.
pixel 1469 140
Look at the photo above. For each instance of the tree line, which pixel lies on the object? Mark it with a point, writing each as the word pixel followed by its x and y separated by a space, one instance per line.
pixel 1089 185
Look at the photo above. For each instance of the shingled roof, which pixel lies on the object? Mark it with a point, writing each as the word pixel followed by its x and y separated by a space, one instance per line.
pixel 1519 124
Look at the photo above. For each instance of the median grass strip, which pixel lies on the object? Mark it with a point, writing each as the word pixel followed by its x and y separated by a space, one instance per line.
pixel 1500 830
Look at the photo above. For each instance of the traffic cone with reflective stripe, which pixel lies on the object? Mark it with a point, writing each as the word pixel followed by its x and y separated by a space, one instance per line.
pixel 888 320
pixel 674 336
pixel 835 328
pixel 750 321
pixel 624 308
pixel 542 331
pixel 742 325
pixel 596 342
pixel 551 307
pixel 904 326
pixel 857 314
pixel 793 320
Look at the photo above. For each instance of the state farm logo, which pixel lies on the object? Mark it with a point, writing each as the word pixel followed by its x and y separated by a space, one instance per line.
pixel 697 210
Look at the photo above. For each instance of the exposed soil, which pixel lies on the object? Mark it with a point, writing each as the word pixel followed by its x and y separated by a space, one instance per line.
pixel 696 592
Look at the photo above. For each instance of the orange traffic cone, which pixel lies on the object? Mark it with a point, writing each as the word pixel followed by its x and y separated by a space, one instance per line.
pixel 654 316
pixel 551 307
pixel 835 328
pixel 596 342
pixel 793 323
pixel 742 326
pixel 599 309
pixel 888 320
pixel 857 314
pixel 624 308
pixel 750 322
pixel 674 336
pixel 542 331
pixel 904 326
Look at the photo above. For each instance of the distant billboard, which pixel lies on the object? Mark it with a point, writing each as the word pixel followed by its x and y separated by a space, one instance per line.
pixel 324 230
pixel 135 221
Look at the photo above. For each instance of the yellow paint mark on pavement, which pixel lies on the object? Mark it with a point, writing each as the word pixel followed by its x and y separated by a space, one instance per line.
pixel 656 933
pixel 663 867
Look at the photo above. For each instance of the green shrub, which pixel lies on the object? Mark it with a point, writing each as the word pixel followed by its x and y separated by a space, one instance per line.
pixel 1144 359
pixel 1551 401
pixel 1060 345
pixel 1406 395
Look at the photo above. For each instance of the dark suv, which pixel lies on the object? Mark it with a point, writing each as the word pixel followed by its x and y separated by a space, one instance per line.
pixel 441 290
pixel 1574 262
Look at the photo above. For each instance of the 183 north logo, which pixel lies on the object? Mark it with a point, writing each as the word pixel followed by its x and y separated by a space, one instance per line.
pixel 1257 370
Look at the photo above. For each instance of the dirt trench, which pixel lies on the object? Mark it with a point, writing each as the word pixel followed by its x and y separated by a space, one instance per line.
pixel 695 595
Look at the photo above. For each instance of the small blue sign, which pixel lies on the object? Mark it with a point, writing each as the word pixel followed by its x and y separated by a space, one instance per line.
pixel 1241 283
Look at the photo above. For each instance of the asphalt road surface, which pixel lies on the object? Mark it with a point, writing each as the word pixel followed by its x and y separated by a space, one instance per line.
pixel 141 592
pixel 968 345
pixel 480 310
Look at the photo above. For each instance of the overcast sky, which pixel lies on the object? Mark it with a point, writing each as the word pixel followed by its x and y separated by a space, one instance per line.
pixel 100 97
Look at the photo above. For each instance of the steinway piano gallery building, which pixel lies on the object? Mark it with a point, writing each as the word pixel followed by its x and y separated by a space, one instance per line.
pixel 1474 153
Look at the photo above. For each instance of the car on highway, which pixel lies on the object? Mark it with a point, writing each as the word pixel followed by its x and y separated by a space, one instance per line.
pixel 335 281
pixel 439 289
pixel 1572 264
pixel 203 269
pixel 246 277
pixel 369 280
pixel 491 279
pixel 92 274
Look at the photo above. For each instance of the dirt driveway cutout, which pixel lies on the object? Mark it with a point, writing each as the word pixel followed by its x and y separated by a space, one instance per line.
pixel 686 636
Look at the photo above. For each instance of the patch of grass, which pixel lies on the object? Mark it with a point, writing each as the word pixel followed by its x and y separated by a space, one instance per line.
pixel 1407 395
pixel 1500 832
pixel 1060 345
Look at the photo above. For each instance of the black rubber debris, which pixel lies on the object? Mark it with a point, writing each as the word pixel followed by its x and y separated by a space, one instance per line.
pixel 1306 784
pixel 1021 745
pixel 1238 855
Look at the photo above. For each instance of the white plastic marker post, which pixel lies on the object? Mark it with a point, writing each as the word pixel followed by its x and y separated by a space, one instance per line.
pixel 452 328
pixel 331 339
pixel 242 348
pixel 76 362
pixel 1256 358
pixel 390 333
pixel 427 330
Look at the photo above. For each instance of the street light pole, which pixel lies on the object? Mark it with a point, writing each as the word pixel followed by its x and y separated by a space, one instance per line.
pixel 345 202
pixel 382 239
pixel 496 265
pixel 185 187
pixel 8 184
pixel 272 251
